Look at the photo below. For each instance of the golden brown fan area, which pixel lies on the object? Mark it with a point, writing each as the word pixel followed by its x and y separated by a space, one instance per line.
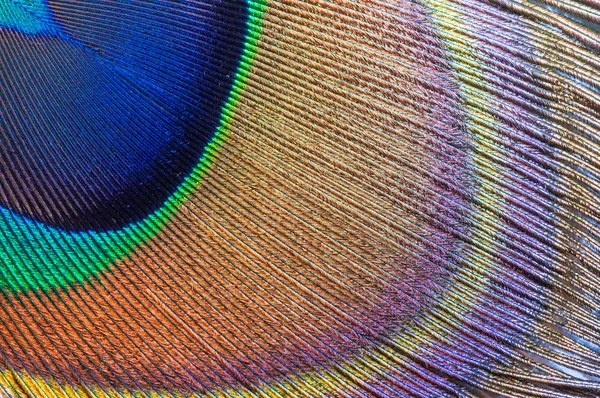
pixel 311 237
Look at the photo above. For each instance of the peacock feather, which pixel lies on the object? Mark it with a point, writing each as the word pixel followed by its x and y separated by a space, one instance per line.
pixel 299 198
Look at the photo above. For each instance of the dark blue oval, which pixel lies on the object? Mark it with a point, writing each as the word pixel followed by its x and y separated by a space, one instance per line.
pixel 104 116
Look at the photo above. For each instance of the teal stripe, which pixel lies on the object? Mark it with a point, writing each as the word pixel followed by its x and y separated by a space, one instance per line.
pixel 26 16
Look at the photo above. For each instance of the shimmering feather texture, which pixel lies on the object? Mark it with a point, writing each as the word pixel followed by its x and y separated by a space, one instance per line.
pixel 312 198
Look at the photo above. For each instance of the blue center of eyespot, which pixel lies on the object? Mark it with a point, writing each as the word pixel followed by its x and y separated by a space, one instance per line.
pixel 26 16
pixel 109 105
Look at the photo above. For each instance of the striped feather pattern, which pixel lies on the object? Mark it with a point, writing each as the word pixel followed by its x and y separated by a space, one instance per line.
pixel 311 198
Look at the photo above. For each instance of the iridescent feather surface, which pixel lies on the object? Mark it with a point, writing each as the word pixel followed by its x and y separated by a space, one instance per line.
pixel 299 198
